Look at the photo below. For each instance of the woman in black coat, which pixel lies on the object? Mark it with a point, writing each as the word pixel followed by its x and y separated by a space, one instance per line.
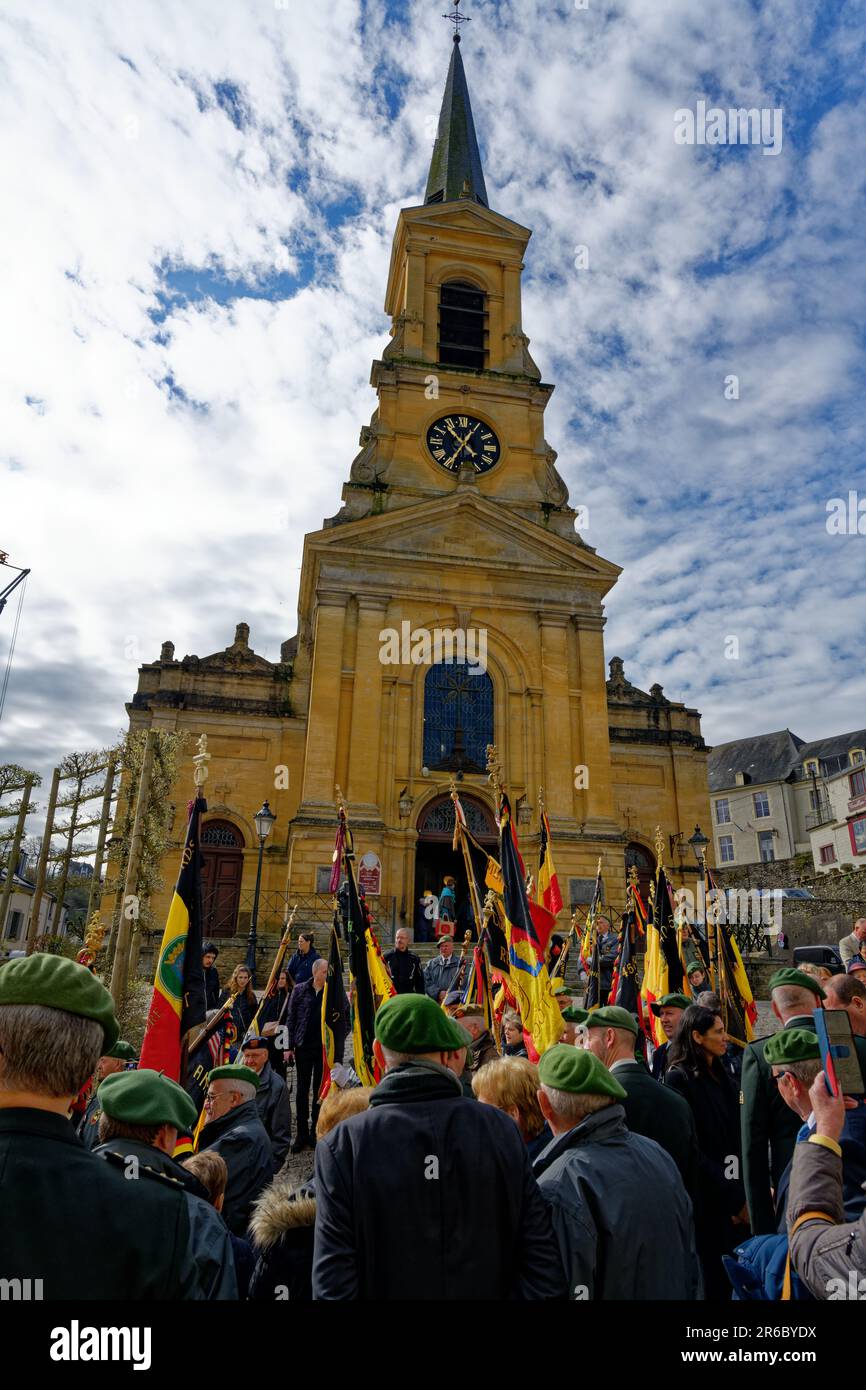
pixel 245 1005
pixel 273 1018
pixel 697 1071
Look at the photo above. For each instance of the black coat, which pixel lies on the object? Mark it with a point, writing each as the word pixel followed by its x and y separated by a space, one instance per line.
pixel 211 987
pixel 429 1196
pixel 242 1140
pixel 77 1223
pixel 275 1112
pixel 210 1241
pixel 281 1231
pixel 720 1195
pixel 657 1112
pixel 406 971
pixel 301 967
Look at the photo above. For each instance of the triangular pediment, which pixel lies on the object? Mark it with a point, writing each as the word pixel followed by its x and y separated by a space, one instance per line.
pixel 465 214
pixel 465 529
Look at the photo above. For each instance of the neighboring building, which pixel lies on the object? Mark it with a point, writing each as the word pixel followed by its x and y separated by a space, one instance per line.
pixel 454 521
pixel 838 837
pixel 13 929
pixel 770 793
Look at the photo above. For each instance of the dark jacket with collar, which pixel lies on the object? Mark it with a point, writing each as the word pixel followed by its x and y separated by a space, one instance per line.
pixel 242 1140
pixel 440 973
pixel 406 971
pixel 211 987
pixel 621 1214
pixel 210 1242
pixel 659 1113
pixel 301 967
pixel 275 1112
pixel 304 1020
pixel 429 1196
pixel 77 1223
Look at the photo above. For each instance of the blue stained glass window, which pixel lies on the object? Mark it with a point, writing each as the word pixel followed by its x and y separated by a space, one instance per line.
pixel 458 716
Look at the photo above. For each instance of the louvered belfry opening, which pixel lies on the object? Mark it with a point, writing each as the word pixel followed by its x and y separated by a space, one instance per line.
pixel 462 325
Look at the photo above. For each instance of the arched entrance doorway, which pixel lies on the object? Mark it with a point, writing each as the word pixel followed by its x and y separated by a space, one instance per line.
pixel 639 857
pixel 434 857
pixel 222 847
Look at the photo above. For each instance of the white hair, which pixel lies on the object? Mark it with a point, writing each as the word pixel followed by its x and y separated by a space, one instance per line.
pixel 245 1089
pixel 575 1107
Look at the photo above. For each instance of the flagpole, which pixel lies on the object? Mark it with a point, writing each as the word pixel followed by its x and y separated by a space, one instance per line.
pixel 275 970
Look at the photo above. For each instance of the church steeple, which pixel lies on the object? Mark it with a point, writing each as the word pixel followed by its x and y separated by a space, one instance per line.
pixel 455 169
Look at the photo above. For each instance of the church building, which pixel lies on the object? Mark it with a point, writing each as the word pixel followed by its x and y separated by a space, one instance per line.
pixel 448 604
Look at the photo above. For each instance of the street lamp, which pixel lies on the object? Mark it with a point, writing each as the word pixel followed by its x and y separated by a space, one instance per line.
pixel 264 819
pixel 698 842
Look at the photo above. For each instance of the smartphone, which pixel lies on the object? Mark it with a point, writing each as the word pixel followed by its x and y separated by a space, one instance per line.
pixel 842 1072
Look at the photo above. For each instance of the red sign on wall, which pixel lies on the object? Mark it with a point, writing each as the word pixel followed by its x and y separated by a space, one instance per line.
pixel 370 874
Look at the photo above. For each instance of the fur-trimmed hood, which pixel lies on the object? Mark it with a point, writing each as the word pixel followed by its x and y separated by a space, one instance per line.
pixel 280 1209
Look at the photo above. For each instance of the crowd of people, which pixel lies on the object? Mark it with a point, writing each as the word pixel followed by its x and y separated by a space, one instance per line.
pixel 474 1169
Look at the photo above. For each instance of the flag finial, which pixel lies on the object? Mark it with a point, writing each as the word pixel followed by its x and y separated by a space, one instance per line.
pixel 201 759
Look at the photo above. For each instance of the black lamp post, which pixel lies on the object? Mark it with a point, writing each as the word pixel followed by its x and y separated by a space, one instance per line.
pixel 698 842
pixel 264 820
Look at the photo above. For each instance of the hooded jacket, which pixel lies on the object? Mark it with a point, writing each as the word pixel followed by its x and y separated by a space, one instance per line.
pixel 616 1244
pixel 281 1231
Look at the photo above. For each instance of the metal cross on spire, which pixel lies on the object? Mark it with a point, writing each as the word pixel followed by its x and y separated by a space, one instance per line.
pixel 457 19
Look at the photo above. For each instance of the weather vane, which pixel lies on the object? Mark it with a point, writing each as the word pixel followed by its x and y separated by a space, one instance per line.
pixel 457 19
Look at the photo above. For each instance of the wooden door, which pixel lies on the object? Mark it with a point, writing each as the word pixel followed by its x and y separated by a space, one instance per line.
pixel 222 872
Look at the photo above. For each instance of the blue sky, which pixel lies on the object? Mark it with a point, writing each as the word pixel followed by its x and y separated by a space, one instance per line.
pixel 204 198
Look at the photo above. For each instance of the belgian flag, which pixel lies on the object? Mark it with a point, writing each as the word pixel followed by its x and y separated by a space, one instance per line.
pixel 528 931
pixel 178 1000
pixel 739 1010
pixel 548 883
pixel 363 996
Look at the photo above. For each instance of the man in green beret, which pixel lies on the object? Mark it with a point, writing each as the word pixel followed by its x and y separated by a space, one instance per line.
pixel 572 1019
pixel 82 1229
pixel 142 1112
pixel 428 1195
pixel 794 1058
pixel 234 1129
pixel 668 1010
pixel 651 1108
pixel 116 1059
pixel 620 1211
pixel 768 1126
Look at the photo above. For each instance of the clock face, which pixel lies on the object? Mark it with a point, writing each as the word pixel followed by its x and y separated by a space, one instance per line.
pixel 457 439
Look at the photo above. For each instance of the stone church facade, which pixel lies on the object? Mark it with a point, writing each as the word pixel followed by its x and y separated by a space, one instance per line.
pixel 454 521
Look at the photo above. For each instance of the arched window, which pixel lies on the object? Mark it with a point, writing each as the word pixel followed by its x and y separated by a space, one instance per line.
pixel 458 717
pixel 223 834
pixel 462 325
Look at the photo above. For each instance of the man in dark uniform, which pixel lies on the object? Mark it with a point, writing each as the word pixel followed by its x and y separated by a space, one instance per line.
pixel 651 1109
pixel 272 1097
pixel 234 1130
pixel 404 966
pixel 305 1049
pixel 85 1231
pixel 114 1061
pixel 767 1122
pixel 209 953
pixel 669 1010
pixel 142 1114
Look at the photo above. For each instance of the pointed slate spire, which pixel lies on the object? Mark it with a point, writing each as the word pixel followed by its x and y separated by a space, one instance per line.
pixel 455 170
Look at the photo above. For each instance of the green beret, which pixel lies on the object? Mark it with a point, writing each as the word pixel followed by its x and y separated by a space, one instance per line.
pixel 612 1016
pixel 58 983
pixel 146 1098
pixel 791 1045
pixel 574 1015
pixel 789 976
pixel 669 1001
pixel 123 1051
pixel 573 1069
pixel 235 1072
pixel 415 1023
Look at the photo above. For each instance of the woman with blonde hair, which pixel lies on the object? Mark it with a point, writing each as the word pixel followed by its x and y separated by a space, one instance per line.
pixel 245 1005
pixel 511 1085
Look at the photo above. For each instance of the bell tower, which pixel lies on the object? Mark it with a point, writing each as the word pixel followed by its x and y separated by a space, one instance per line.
pixel 461 401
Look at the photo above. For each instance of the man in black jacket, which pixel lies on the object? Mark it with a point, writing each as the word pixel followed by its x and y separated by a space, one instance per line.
pixel 305 1050
pixel 428 1195
pixel 85 1231
pixel 650 1108
pixel 272 1098
pixel 234 1130
pixel 404 966
pixel 209 953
